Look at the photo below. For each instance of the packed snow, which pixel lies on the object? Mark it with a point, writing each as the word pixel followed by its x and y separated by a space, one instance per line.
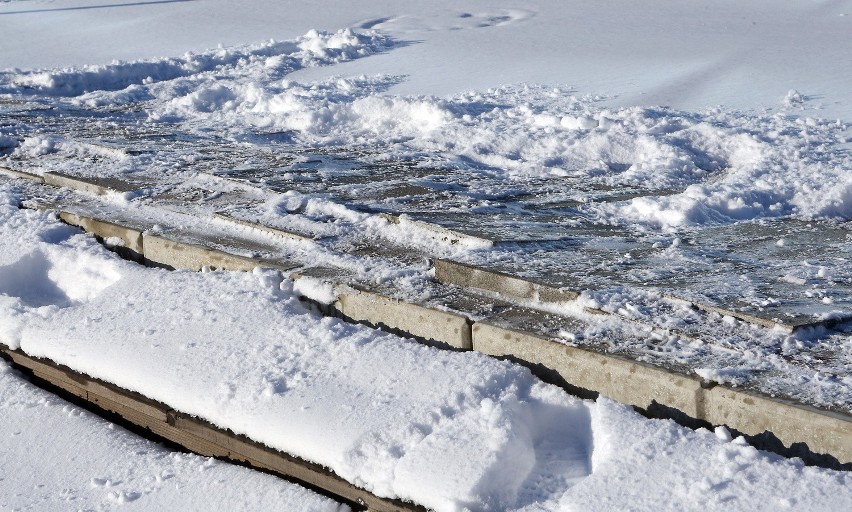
pixel 381 411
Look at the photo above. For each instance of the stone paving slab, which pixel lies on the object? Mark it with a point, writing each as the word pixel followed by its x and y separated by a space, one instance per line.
pixel 186 250
pixel 92 185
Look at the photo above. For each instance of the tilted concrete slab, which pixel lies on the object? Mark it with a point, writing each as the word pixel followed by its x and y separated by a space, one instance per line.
pixel 437 232
pixel 419 321
pixel 92 185
pixel 791 325
pixel 163 251
pixel 12 173
pixel 619 378
pixel 822 431
pixel 279 232
pixel 460 274
pixel 132 238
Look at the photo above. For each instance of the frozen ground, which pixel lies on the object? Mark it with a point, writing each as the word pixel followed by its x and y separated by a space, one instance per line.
pixel 633 153
pixel 44 467
pixel 445 429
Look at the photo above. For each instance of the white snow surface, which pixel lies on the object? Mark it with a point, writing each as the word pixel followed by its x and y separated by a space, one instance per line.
pixel 689 55
pixel 451 431
pixel 57 456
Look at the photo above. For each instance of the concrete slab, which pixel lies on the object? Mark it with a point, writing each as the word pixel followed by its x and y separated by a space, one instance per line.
pixel 789 324
pixel 621 379
pixel 279 232
pixel 395 315
pixel 824 432
pixel 12 173
pixel 460 274
pixel 132 238
pixel 437 232
pixel 171 253
pixel 92 185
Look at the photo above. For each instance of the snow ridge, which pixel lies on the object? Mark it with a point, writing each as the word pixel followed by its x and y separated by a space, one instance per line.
pixel 313 49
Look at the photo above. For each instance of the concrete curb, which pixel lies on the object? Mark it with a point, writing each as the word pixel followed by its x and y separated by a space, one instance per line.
pixel 197 435
pixel 642 385
pixel 97 186
pixel 21 174
pixel 132 238
pixel 468 276
pixel 822 431
pixel 281 233
pixel 765 322
pixel 166 252
pixel 437 232
pixel 395 315
pixel 619 378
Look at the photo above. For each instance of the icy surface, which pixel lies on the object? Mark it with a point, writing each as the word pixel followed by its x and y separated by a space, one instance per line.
pixel 57 456
pixel 382 411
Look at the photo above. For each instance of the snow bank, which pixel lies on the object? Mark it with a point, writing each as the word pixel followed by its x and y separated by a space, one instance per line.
pixel 656 465
pixel 697 167
pixel 275 58
pixel 107 468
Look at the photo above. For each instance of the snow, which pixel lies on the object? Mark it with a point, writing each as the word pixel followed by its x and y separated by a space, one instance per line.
pixel 689 55
pixel 57 456
pixel 381 411
pixel 696 150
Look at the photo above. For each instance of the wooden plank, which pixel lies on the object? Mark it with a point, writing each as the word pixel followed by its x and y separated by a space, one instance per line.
pixel 67 378
pixel 261 456
pixel 197 435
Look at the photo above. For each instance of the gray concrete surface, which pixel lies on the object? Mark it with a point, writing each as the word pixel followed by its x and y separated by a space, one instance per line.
pixel 163 251
pixel 460 274
pixel 132 238
pixel 616 377
pixel 419 321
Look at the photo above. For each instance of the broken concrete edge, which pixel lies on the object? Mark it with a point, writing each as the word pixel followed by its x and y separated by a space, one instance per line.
pixel 469 276
pixel 457 331
pixel 198 435
pixel 131 238
pixel 279 232
pixel 437 232
pixel 12 173
pixel 644 386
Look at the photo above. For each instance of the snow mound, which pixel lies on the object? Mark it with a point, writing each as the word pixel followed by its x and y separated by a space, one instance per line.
pixel 312 49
